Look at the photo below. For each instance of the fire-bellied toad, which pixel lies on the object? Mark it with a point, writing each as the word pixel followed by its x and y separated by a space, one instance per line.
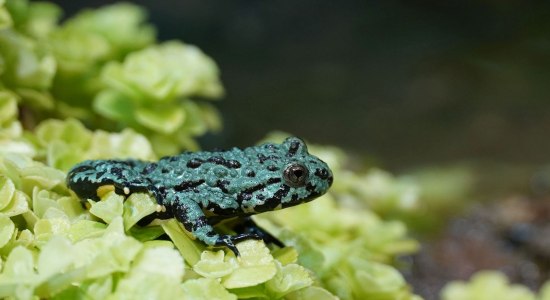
pixel 202 188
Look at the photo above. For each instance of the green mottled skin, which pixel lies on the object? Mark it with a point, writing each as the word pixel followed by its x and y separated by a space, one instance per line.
pixel 203 188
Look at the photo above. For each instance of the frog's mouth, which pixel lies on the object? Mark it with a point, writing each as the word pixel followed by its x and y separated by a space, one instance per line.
pixel 311 196
pixel 312 192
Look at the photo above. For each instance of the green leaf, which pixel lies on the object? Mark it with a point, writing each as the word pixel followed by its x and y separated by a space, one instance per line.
pixel 189 249
pixel 545 291
pixel 7 229
pixel 85 229
pixel 45 229
pixel 125 144
pixel 121 25
pixel 42 200
pixel 7 191
pixel 115 106
pixel 70 131
pixel 112 252
pixel 19 265
pixel 165 72
pixel 49 260
pixel 155 274
pixel 17 206
pixel 255 266
pixel 8 106
pixel 18 276
pixel 148 233
pixel 486 285
pixel 213 265
pixel 206 288
pixel 289 278
pixel 286 255
pixel 165 120
pixel 311 292
pixel 110 206
pixel 137 206
pixel 5 18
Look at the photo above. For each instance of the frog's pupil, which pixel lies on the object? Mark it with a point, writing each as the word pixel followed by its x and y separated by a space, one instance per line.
pixel 295 175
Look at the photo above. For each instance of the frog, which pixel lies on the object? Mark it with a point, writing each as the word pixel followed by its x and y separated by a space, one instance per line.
pixel 201 189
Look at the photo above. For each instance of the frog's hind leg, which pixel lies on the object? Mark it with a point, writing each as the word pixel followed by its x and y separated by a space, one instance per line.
pixel 189 213
pixel 85 178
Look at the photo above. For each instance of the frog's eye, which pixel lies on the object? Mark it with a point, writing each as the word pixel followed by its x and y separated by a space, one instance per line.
pixel 295 175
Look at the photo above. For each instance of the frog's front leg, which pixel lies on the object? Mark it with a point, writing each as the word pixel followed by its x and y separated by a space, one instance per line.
pixel 189 213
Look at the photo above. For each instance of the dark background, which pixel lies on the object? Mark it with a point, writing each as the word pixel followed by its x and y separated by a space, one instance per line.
pixel 407 82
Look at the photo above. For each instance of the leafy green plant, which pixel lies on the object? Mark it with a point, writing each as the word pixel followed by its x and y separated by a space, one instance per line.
pixel 491 285
pixel 104 67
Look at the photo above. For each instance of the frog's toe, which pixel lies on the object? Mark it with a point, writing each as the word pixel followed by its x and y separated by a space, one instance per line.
pixel 225 240
pixel 249 227
pixel 245 236
pixel 229 241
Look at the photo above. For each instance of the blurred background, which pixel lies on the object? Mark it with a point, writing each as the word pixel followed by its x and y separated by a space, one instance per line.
pixel 404 85
pixel 409 82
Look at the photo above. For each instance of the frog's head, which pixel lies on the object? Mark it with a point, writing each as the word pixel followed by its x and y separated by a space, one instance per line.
pixel 307 176
pixel 294 176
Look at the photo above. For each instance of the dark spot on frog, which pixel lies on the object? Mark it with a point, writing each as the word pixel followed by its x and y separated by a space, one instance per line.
pixel 164 171
pixel 116 171
pixel 251 190
pixel 294 197
pixel 250 173
pixel 194 163
pixel 149 168
pixel 218 160
pixel 243 196
pixel 233 164
pixel 321 173
pixel 188 185
pixel 79 169
pixel 263 158
pixel 273 180
pixel 222 184
pixel 260 197
pixel 294 146
pixel 270 203
pixel 310 187
pixel 200 222
pixel 219 211
pixel 162 190
pixel 272 168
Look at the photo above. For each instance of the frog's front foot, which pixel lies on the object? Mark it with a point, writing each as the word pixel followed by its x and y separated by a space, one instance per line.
pixel 248 226
pixel 229 241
